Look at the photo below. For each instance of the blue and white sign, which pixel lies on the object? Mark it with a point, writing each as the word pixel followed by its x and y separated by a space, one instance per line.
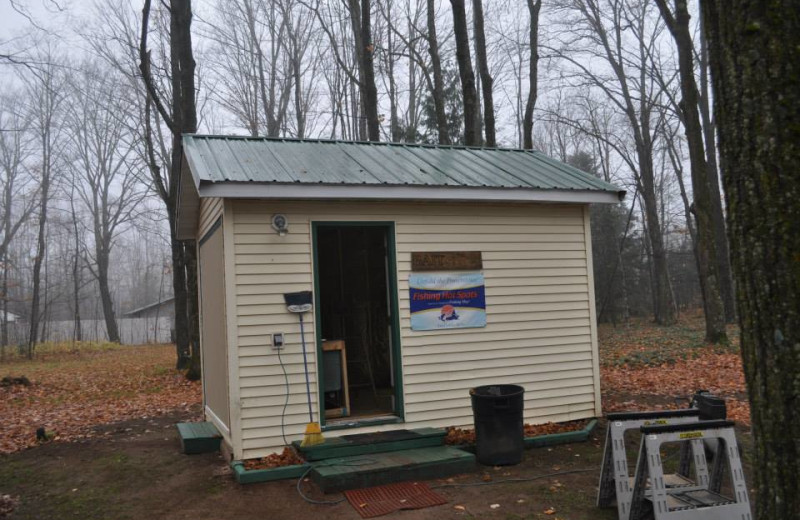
pixel 447 300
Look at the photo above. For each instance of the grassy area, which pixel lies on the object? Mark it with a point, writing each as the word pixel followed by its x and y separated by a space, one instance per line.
pixel 643 343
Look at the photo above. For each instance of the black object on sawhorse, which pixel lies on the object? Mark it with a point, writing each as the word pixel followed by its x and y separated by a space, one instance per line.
pixel 652 496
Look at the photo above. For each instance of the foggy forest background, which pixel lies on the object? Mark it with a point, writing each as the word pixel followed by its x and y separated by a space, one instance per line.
pixel 84 225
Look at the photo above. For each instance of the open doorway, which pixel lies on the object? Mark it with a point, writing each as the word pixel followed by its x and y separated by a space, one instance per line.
pixel 357 320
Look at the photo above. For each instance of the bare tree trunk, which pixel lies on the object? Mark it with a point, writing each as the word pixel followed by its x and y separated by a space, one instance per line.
pixel 369 90
pixel 103 253
pixel 4 324
pixel 534 7
pixel 361 21
pixel 663 300
pixel 41 250
pixel 185 120
pixel 438 81
pixel 472 135
pixel 717 213
pixel 394 123
pixel 193 309
pixel 754 50
pixel 705 245
pixel 77 333
pixel 182 336
pixel 486 78
pixel 413 121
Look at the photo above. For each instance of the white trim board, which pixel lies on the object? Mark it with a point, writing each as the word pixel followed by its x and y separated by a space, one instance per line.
pixel 254 190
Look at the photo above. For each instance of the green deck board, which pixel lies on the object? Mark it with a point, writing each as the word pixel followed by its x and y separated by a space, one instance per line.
pixel 245 476
pixel 198 430
pixel 334 447
pixel 343 473
pixel 199 437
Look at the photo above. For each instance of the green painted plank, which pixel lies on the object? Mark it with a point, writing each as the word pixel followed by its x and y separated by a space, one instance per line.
pixel 198 430
pixel 200 437
pixel 245 476
pixel 348 450
pixel 339 447
pixel 553 439
pixel 422 464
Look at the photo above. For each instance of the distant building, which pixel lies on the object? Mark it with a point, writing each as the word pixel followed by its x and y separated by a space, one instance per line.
pixel 12 318
pixel 162 309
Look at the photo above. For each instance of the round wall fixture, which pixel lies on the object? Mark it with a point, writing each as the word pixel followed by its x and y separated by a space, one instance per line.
pixel 280 223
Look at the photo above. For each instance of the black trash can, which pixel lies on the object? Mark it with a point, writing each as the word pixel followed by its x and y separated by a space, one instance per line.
pixel 499 432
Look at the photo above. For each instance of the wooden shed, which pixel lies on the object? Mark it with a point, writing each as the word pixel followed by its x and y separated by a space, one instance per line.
pixel 433 269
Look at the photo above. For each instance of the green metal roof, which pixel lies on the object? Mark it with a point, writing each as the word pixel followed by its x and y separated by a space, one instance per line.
pixel 224 159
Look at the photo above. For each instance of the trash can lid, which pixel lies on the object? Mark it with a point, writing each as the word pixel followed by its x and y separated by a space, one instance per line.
pixel 496 390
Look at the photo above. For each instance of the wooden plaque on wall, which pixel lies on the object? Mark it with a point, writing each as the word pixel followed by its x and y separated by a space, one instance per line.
pixel 446 261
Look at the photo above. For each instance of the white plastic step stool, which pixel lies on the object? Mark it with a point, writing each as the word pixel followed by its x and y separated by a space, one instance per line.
pixel 651 495
pixel 616 481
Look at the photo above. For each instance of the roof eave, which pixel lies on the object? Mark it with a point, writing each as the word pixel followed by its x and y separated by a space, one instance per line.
pixel 188 203
pixel 277 191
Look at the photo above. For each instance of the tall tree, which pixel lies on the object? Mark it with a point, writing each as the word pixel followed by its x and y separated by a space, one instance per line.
pixel 720 231
pixel 486 77
pixel 17 195
pixel 534 8
pixel 180 118
pixel 754 53
pixel 705 243
pixel 437 93
pixel 47 94
pixel 361 20
pixel 469 94
pixel 105 174
pixel 625 83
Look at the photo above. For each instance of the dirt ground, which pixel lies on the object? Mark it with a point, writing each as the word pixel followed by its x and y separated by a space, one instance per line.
pixel 134 470
pixel 107 462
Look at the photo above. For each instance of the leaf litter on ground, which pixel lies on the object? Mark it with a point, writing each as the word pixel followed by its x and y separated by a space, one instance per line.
pixel 641 360
pixel 72 391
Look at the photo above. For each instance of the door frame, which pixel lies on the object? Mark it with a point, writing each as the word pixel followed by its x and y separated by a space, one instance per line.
pixel 397 357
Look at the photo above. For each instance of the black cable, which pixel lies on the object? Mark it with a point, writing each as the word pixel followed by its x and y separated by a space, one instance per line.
pixel 359 462
pixel 311 500
pixel 286 402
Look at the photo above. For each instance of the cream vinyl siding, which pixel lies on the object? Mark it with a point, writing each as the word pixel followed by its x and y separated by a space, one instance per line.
pixel 213 334
pixel 210 211
pixel 539 333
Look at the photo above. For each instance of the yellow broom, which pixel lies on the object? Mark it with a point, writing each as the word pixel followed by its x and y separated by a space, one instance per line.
pixel 313 433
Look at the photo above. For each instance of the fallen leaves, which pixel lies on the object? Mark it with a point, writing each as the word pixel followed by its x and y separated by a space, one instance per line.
pixel 533 430
pixel 643 360
pixel 288 457
pixel 459 436
pixel 73 392
pixel 462 436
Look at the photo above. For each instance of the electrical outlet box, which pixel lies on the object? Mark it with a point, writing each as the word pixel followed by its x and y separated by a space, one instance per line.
pixel 278 341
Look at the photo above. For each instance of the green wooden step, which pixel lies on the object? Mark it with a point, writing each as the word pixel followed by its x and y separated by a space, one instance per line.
pixel 199 437
pixel 343 473
pixel 379 442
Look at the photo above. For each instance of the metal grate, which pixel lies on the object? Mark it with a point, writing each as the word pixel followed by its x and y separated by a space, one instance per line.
pixel 382 500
